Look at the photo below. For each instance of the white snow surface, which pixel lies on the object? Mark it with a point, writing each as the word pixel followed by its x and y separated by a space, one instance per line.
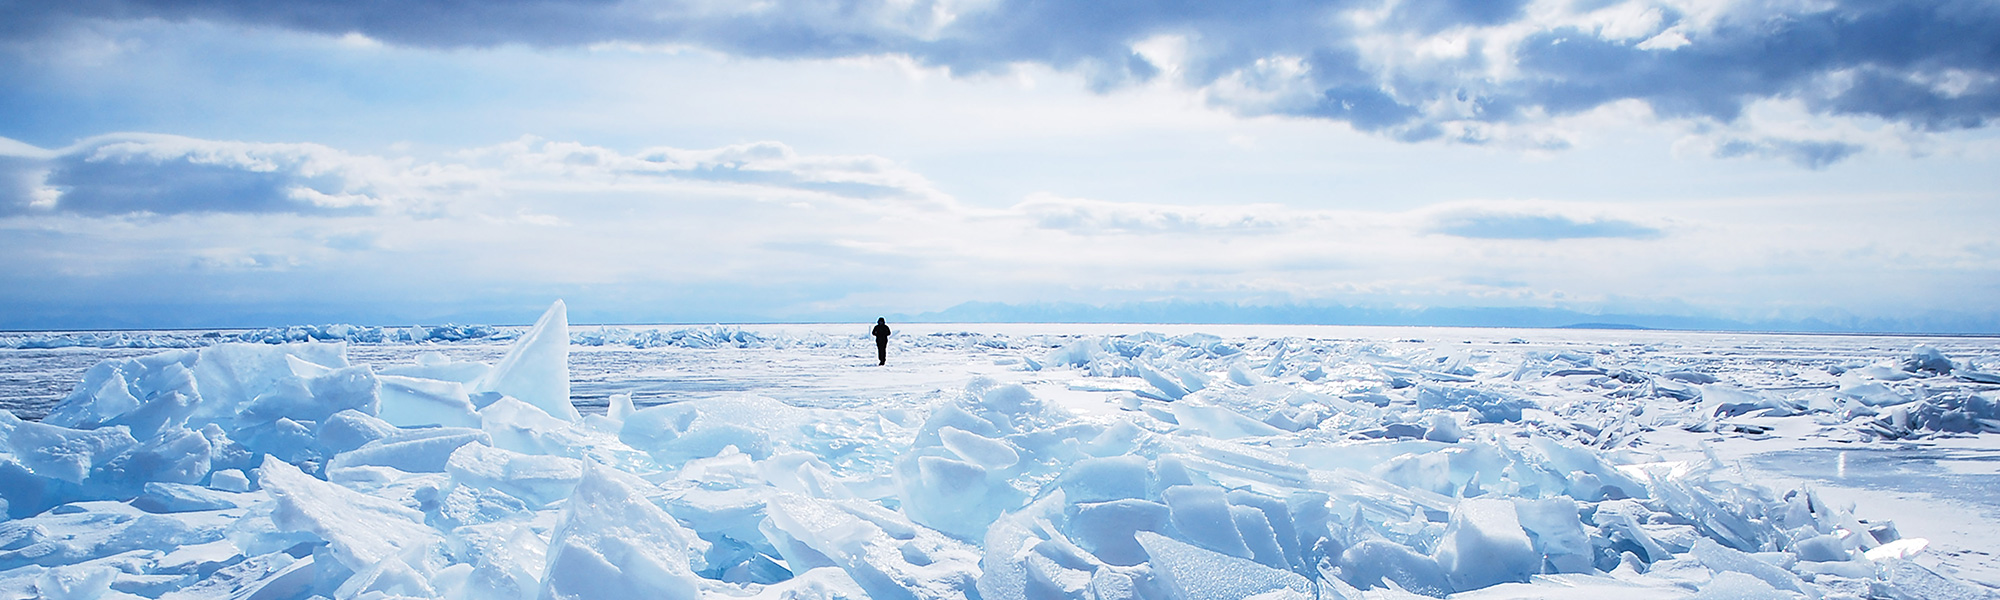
pixel 1004 461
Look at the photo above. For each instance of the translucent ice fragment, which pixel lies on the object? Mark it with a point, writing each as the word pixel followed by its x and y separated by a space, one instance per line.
pixel 978 449
pixel 231 375
pixel 361 530
pixel 1243 376
pixel 390 578
pixel 507 560
pixel 229 480
pixel 613 543
pixel 1193 572
pixel 114 388
pixel 1101 479
pixel 1623 520
pixel 274 575
pixel 410 402
pixel 350 429
pixel 1729 585
pixel 412 450
pixel 175 455
pixel 1076 354
pixel 109 398
pixel 63 453
pixel 755 425
pixel 1277 516
pixel 619 407
pixel 1872 393
pixel 536 369
pixel 340 389
pixel 951 495
pixel 538 480
pixel 159 497
pixel 1106 529
pixel 1556 532
pixel 1926 359
pixel 1220 422
pixel 887 556
pixel 84 531
pixel 1201 513
pixel 289 440
pixel 1167 387
pixel 1119 439
pixel 1255 529
pixel 1721 558
pixel 1821 548
pixel 1368 563
pixel 1570 458
pixel 1484 545
pixel 521 427
pixel 75 582
pixel 1492 407
pixel 1443 427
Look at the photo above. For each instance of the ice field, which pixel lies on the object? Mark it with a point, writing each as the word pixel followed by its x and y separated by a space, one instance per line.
pixel 997 462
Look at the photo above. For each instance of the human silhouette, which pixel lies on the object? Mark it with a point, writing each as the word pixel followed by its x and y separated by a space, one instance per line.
pixel 881 341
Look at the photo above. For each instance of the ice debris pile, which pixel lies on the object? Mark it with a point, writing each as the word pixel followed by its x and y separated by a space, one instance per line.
pixel 1269 469
pixel 1604 398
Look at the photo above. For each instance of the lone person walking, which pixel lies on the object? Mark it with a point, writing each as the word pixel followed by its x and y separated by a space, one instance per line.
pixel 881 341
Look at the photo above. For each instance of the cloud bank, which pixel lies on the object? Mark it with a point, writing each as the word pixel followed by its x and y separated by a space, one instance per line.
pixel 149 230
pixel 152 174
pixel 1467 71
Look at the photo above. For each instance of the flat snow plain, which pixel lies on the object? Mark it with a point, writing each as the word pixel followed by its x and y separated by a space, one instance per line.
pixel 999 461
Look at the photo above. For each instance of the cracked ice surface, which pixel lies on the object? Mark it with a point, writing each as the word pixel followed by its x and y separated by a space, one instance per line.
pixel 1000 461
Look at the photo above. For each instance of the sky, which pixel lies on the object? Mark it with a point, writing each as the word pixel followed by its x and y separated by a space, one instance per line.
pixel 225 163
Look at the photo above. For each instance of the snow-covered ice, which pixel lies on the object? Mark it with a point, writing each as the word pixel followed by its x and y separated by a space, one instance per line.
pixel 996 462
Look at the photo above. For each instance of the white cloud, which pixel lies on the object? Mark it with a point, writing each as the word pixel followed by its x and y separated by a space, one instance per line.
pixel 765 229
pixel 1092 217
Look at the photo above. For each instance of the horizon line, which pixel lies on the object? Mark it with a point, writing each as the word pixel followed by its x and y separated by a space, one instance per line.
pixel 1569 327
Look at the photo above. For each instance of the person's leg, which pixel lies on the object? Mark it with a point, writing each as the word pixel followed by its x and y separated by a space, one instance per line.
pixel 881 352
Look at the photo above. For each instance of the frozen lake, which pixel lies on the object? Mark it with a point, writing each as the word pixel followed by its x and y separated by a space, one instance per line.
pixel 823 370
pixel 1813 412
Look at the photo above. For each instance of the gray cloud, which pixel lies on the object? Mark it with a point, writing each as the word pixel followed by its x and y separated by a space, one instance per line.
pixel 1862 58
pixel 1805 153
pixel 1528 226
pixel 1932 66
pixel 172 185
pixel 155 174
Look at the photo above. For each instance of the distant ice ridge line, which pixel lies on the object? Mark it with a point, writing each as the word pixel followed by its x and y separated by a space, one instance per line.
pixel 357 334
pixel 689 337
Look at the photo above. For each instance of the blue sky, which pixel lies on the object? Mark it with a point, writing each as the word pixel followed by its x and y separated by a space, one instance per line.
pixel 222 163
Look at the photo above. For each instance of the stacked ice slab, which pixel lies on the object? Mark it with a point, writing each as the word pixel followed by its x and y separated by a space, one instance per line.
pixel 282 471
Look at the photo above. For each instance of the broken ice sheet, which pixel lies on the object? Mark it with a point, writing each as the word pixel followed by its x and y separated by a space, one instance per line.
pixel 1270 468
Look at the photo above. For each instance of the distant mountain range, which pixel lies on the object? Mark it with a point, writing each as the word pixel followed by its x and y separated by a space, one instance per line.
pixel 1295 314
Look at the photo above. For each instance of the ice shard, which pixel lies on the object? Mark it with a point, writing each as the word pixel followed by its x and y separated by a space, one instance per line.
pixel 536 369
